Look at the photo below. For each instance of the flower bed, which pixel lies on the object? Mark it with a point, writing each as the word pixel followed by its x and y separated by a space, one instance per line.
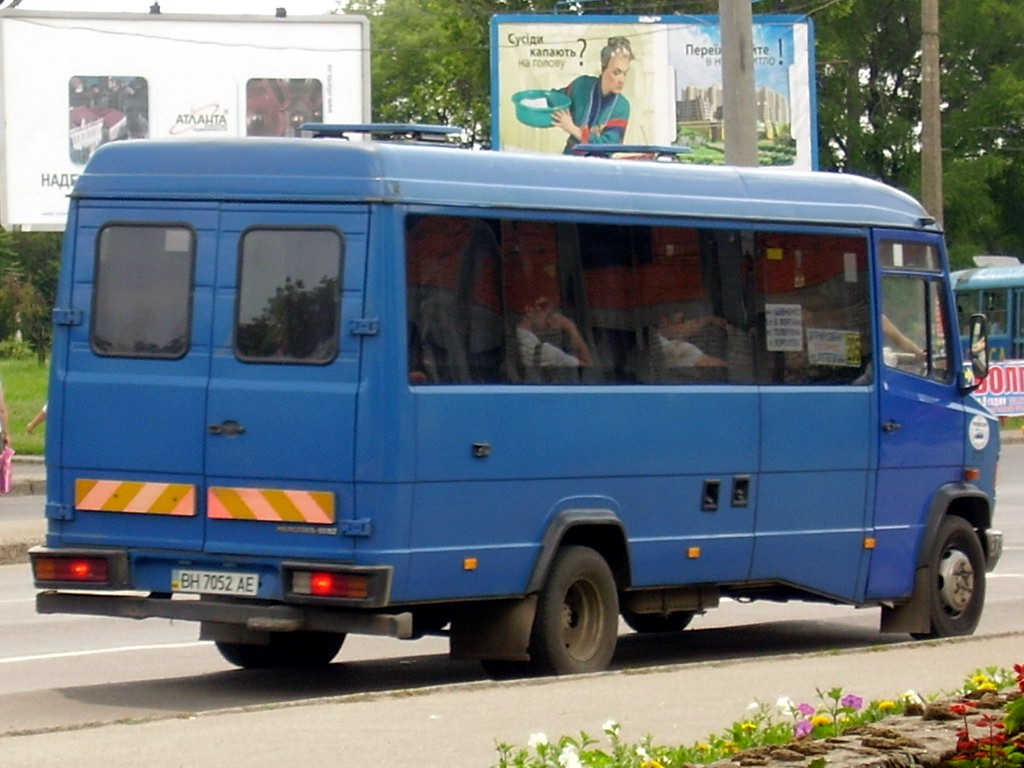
pixel 981 726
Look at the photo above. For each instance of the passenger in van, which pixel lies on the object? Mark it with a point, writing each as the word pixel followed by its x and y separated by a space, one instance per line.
pixel 549 339
pixel 673 338
pixel 898 340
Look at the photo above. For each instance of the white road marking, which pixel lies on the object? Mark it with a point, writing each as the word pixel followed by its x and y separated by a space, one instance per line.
pixel 100 651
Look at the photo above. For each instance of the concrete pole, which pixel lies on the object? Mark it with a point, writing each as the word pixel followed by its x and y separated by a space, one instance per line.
pixel 931 112
pixel 739 99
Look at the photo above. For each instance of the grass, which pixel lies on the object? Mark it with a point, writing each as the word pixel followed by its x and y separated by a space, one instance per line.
pixel 25 383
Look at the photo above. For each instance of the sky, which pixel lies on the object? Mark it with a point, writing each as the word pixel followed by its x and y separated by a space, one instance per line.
pixel 219 7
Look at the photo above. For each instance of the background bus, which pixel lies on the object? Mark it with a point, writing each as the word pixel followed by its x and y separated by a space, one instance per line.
pixel 994 288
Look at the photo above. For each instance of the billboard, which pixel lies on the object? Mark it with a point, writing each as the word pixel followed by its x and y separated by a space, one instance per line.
pixel 1002 391
pixel 550 86
pixel 72 82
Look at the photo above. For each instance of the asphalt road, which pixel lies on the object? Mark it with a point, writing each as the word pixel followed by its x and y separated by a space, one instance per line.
pixel 109 692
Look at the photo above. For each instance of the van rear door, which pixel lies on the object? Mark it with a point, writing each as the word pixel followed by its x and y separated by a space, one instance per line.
pixel 280 421
pixel 208 387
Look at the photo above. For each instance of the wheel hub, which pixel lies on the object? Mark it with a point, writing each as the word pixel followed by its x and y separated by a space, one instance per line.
pixel 956 581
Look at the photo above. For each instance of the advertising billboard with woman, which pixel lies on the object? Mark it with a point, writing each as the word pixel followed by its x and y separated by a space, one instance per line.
pixel 558 81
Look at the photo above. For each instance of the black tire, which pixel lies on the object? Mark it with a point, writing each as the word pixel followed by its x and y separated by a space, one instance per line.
pixel 576 626
pixel 290 650
pixel 957 587
pixel 652 623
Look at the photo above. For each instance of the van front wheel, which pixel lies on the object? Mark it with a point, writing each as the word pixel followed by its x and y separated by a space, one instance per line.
pixel 957 587
pixel 576 626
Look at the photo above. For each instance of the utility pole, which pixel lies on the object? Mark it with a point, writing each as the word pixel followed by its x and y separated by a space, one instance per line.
pixel 739 98
pixel 931 113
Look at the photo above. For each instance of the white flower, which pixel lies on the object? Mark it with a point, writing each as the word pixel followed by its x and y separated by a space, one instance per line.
pixel 641 753
pixel 569 758
pixel 785 704
pixel 912 696
pixel 754 706
pixel 537 740
pixel 610 727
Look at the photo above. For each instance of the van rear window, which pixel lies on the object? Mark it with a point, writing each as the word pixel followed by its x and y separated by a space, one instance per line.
pixel 142 304
pixel 289 296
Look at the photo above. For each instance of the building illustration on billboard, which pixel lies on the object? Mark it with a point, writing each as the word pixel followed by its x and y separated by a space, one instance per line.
pixel 553 84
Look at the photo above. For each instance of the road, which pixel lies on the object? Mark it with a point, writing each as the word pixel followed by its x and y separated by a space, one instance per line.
pixel 59 672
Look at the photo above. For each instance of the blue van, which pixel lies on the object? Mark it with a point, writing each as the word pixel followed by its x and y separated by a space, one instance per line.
pixel 307 387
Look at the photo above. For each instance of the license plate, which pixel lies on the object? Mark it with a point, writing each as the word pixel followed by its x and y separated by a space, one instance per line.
pixel 215 582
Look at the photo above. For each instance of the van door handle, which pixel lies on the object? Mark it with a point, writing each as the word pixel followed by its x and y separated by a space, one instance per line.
pixel 227 428
pixel 891 426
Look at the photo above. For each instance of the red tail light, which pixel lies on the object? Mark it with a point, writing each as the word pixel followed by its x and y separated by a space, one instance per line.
pixel 86 570
pixel 331 584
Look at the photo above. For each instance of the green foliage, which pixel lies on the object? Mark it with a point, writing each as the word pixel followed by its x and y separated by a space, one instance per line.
pixel 29 263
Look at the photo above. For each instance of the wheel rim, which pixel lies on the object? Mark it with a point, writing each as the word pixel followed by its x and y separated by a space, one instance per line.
pixel 581 620
pixel 956 581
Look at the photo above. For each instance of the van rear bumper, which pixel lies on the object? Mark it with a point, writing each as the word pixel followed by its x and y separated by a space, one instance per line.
pixel 257 617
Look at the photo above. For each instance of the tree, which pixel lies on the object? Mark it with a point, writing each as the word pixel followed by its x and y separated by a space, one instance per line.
pixel 983 131
pixel 29 264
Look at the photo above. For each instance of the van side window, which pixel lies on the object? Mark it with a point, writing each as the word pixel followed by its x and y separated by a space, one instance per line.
pixel 816 307
pixel 289 296
pixel 915 328
pixel 142 304
pixel 531 301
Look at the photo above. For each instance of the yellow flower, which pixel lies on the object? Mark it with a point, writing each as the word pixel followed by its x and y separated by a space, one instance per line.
pixel 704 747
pixel 886 705
pixel 731 748
pixel 749 726
pixel 652 764
pixel 819 720
pixel 988 685
pixel 980 679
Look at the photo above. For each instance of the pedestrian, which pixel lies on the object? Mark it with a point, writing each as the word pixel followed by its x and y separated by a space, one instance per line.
pixel 4 426
pixel 38 419
pixel 6 452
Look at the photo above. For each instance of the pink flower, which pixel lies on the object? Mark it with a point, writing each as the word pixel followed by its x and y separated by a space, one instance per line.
pixel 852 702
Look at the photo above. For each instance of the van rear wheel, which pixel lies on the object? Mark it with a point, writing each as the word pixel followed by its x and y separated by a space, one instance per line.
pixel 291 650
pixel 576 626
pixel 956 592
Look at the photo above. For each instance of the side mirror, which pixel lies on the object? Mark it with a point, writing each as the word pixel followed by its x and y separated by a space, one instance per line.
pixel 978 349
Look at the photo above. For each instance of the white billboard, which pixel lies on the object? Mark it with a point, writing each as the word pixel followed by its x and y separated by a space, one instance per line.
pixel 72 82
pixel 559 80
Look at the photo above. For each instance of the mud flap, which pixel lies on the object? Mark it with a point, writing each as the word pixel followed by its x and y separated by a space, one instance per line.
pixel 913 616
pixel 498 631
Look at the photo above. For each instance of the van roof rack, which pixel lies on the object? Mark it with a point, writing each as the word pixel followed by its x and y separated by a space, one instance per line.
pixel 664 152
pixel 427 134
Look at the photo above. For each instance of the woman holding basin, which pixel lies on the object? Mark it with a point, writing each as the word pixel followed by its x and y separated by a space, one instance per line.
pixel 598 113
pixel 591 110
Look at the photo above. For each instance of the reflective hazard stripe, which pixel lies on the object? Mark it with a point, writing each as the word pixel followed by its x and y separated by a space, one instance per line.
pixel 270 504
pixel 140 498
